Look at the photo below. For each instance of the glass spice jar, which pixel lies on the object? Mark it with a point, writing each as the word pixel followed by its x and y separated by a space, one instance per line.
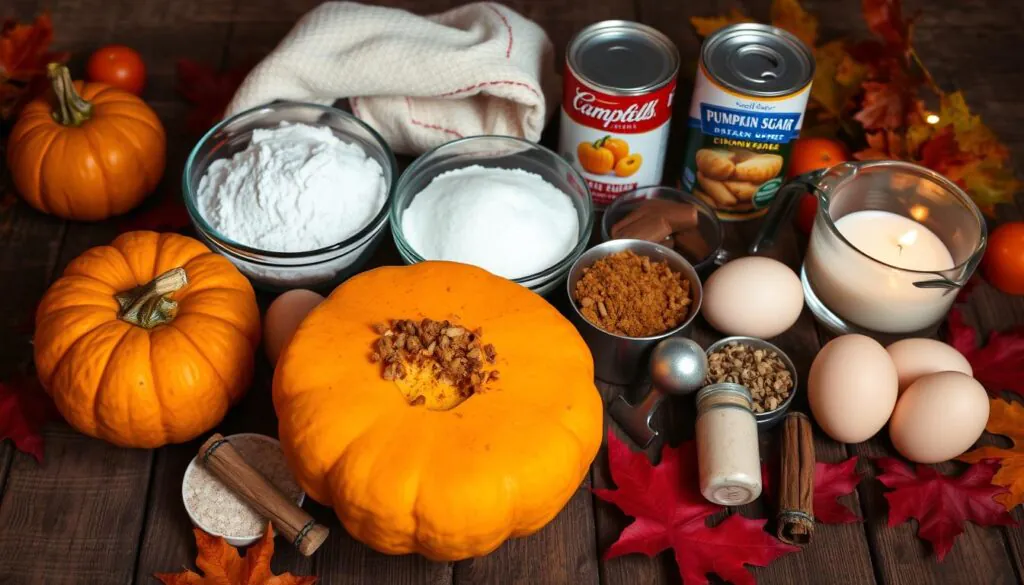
pixel 727 446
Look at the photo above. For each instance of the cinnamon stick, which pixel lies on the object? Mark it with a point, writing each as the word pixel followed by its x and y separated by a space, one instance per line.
pixel 796 487
pixel 288 519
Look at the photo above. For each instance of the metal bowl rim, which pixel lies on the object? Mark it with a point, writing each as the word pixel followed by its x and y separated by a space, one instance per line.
pixel 762 344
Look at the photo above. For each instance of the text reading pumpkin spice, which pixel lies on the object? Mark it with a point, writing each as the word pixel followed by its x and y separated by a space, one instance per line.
pixel 628 294
pixel 450 353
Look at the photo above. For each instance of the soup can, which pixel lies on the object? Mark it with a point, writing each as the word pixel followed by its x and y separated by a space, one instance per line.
pixel 620 78
pixel 752 86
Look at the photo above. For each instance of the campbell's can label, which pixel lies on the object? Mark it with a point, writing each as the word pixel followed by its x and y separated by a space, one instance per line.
pixel 620 78
pixel 748 105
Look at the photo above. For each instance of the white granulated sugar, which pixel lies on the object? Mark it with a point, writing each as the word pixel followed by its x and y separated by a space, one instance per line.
pixel 510 222
pixel 295 188
pixel 218 509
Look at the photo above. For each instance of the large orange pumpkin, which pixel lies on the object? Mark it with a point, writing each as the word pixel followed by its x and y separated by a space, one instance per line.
pixel 147 341
pixel 86 152
pixel 449 484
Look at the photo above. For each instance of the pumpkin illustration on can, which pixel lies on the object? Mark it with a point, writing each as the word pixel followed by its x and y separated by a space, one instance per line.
pixel 608 155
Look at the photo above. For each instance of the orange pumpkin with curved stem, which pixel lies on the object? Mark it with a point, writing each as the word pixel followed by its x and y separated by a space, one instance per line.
pixel 446 479
pixel 595 158
pixel 147 341
pixel 95 152
pixel 618 146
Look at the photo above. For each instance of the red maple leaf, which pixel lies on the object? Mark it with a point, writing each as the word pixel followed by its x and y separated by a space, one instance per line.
pixel 670 512
pixel 24 54
pixel 166 214
pixel 208 90
pixel 942 503
pixel 999 364
pixel 24 408
pixel 831 482
pixel 885 19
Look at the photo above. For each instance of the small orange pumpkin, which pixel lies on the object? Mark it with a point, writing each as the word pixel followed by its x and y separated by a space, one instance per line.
pixel 595 158
pixel 97 151
pixel 147 341
pixel 448 482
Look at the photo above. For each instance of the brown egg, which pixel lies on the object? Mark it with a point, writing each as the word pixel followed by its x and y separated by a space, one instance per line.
pixel 939 417
pixel 919 357
pixel 729 306
pixel 852 388
pixel 283 318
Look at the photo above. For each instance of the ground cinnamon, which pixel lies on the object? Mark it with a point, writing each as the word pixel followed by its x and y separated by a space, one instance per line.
pixel 632 295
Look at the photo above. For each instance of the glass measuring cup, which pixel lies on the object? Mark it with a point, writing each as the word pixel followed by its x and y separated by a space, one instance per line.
pixel 892 243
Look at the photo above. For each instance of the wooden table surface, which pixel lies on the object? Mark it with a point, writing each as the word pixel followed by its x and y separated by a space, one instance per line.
pixel 95 514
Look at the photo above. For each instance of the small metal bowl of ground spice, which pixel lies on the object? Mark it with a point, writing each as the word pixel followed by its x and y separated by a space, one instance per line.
pixel 217 510
pixel 764 369
pixel 627 295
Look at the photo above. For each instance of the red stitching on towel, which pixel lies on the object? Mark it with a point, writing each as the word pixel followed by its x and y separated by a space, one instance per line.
pixel 408 104
pixel 508 51
pixel 483 83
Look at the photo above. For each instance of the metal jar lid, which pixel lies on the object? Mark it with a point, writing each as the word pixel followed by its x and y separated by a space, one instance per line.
pixel 622 57
pixel 724 394
pixel 758 60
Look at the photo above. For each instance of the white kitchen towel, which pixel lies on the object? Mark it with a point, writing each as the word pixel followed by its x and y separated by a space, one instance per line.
pixel 419 81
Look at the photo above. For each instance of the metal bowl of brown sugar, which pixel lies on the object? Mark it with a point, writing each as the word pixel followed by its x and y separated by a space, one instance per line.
pixel 621 359
pixel 768 418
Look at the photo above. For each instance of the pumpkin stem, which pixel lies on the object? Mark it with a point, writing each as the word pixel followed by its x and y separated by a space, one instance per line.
pixel 71 109
pixel 147 306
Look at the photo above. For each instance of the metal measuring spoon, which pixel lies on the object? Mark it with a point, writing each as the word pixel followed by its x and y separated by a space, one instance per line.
pixel 678 367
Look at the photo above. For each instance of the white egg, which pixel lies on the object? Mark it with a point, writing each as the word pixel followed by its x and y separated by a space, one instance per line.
pixel 939 417
pixel 852 388
pixel 753 296
pixel 283 318
pixel 919 357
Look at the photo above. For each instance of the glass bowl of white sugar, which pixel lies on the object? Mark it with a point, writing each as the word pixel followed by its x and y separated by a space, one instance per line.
pixel 294 194
pixel 504 204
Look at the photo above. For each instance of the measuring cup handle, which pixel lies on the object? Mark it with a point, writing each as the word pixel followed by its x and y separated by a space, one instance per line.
pixel 781 209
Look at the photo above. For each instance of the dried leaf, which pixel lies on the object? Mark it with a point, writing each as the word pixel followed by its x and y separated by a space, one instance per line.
pixel 790 15
pixel 883 106
pixel 999 364
pixel 705 26
pixel 24 408
pixel 883 144
pixel 941 503
pixel 1007 419
pixel 670 512
pixel 972 136
pixel 885 19
pixel 837 78
pixel 208 90
pixel 24 54
pixel 222 565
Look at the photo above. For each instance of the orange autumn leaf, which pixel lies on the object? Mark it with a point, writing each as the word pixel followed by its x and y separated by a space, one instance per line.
pixel 707 25
pixel 1007 419
pixel 789 15
pixel 24 54
pixel 837 78
pixel 883 144
pixel 222 565
pixel 885 19
pixel 971 134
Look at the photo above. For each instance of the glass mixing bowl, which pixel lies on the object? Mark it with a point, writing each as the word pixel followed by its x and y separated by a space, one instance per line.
pixel 321 268
pixel 498 152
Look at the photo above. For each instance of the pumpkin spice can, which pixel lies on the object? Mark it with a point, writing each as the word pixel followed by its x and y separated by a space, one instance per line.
pixel 752 86
pixel 620 78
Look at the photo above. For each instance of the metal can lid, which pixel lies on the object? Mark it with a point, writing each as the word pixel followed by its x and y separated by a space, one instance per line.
pixel 623 57
pixel 724 393
pixel 758 60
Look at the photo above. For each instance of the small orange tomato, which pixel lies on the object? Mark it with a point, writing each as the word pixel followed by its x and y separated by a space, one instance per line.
pixel 119 66
pixel 1003 263
pixel 811 154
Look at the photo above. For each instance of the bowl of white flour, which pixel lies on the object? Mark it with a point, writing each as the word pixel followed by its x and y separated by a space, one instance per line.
pixel 294 194
pixel 504 204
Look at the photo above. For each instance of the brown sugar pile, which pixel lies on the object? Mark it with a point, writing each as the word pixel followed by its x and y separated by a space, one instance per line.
pixel 454 354
pixel 632 295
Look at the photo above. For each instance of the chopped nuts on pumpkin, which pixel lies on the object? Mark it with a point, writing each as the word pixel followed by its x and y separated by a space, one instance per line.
pixel 762 371
pixel 453 353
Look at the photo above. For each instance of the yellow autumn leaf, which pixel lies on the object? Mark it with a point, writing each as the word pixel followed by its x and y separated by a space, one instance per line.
pixel 837 78
pixel 790 15
pixel 705 26
pixel 972 135
pixel 1007 419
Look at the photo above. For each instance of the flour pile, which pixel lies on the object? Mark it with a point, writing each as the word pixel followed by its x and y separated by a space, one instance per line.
pixel 295 188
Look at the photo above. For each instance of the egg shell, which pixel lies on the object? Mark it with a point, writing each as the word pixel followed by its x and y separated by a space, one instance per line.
pixel 283 318
pixel 939 417
pixel 852 388
pixel 919 357
pixel 753 296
